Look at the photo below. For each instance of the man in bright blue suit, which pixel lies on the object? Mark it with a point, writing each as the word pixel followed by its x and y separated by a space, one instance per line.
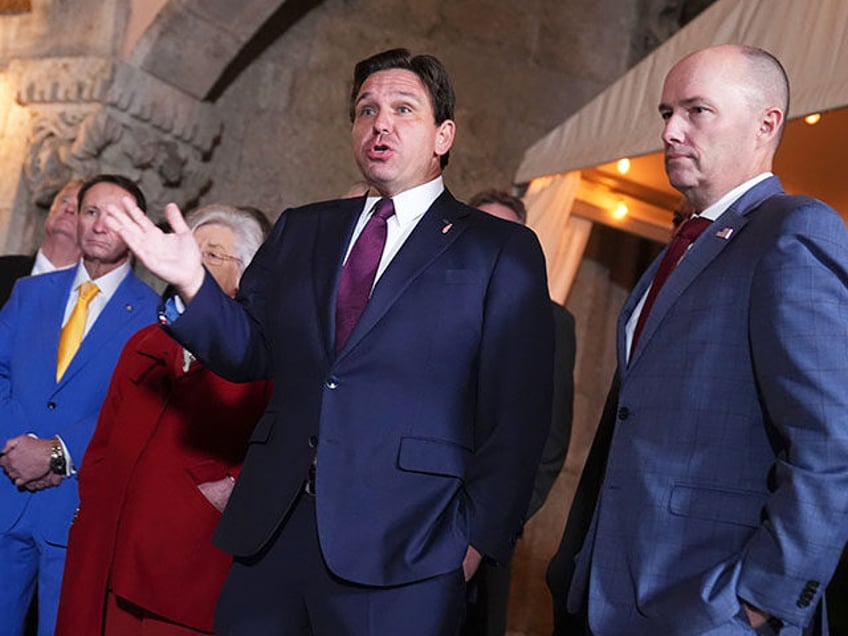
pixel 400 448
pixel 50 396
pixel 724 505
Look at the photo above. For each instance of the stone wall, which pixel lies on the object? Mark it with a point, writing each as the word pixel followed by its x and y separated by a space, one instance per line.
pixel 518 68
pixel 281 105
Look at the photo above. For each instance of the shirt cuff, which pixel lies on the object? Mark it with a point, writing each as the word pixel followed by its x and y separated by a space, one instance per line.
pixel 170 310
pixel 69 463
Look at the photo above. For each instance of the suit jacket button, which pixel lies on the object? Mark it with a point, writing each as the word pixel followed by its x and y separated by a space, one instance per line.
pixel 51 405
pixel 623 413
pixel 312 441
pixel 332 382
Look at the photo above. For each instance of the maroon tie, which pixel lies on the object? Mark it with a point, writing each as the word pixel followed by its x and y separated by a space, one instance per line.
pixel 686 235
pixel 359 271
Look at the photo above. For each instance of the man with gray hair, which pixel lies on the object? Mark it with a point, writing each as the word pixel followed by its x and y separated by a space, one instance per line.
pixel 59 249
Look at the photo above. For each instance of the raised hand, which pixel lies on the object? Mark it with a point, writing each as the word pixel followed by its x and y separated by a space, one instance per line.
pixel 175 258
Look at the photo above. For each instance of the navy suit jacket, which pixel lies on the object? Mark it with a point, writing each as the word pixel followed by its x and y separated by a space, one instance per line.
pixel 428 425
pixel 31 401
pixel 727 474
pixel 12 268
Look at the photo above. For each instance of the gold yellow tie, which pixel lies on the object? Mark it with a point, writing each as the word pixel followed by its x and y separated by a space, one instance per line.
pixel 73 330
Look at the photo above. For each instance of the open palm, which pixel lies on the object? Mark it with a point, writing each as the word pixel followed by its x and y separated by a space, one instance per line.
pixel 174 257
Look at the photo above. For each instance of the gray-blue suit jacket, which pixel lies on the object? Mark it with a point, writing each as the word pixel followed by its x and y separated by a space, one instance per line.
pixel 727 474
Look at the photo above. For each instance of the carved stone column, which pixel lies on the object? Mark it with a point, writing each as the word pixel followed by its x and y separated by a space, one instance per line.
pixel 89 115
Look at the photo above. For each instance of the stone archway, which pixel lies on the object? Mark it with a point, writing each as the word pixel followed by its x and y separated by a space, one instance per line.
pixel 190 43
pixel 141 107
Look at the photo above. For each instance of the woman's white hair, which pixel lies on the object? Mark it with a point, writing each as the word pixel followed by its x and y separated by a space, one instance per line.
pixel 249 227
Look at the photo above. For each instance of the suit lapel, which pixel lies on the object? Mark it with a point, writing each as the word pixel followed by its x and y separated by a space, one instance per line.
pixel 335 227
pixel 440 226
pixel 709 245
pixel 57 288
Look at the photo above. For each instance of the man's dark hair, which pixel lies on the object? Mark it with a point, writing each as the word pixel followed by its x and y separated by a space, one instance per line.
pixel 429 70
pixel 501 198
pixel 119 180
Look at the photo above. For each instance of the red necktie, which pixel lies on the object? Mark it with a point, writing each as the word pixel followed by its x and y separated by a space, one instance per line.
pixel 359 271
pixel 686 235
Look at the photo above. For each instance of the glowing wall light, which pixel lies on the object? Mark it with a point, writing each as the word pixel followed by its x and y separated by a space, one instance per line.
pixel 620 211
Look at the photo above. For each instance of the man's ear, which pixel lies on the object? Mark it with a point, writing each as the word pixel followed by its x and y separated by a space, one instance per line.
pixel 771 122
pixel 444 136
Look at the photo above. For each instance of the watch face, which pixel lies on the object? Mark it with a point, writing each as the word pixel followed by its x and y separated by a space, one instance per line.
pixel 58 464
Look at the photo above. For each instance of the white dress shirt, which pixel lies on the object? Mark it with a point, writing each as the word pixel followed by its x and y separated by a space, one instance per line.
pixel 107 284
pixel 410 206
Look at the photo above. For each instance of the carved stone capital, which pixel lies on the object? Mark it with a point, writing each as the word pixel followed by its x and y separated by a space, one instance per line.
pixel 92 115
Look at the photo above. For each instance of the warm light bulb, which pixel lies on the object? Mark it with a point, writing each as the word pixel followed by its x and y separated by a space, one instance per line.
pixel 623 165
pixel 813 118
pixel 620 210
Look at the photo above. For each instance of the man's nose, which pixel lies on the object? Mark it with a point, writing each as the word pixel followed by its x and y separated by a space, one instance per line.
pixel 99 225
pixel 672 132
pixel 382 122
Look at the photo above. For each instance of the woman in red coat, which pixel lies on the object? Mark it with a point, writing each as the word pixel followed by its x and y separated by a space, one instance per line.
pixel 159 470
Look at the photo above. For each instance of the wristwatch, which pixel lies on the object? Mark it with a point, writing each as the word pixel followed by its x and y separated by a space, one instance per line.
pixel 58 464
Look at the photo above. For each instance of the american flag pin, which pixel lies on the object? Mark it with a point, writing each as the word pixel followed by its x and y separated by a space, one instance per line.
pixel 725 233
pixel 447 227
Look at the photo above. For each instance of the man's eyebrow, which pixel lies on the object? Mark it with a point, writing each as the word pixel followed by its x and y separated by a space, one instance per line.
pixel 689 101
pixel 406 94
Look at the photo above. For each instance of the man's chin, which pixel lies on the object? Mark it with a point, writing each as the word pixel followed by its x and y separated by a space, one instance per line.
pixel 679 179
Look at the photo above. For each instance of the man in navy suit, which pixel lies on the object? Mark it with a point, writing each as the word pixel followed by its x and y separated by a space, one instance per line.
pixel 46 415
pixel 724 503
pixel 489 595
pixel 395 455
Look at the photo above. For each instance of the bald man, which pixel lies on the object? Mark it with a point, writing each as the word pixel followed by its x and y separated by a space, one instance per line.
pixel 722 506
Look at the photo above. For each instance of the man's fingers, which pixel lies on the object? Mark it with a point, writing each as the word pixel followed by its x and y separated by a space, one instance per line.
pixel 121 219
pixel 175 219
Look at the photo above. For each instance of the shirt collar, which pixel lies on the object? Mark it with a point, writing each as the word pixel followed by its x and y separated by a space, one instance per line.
pixel 107 284
pixel 42 264
pixel 719 207
pixel 412 204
